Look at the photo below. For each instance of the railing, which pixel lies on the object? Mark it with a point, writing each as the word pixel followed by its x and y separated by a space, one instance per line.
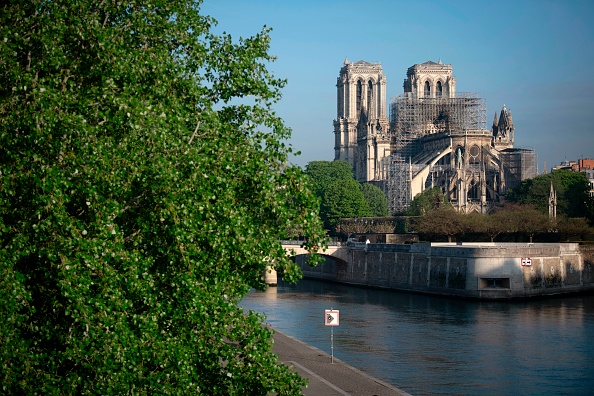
pixel 299 243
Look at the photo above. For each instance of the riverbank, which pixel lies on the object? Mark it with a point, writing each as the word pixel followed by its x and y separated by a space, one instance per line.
pixel 483 271
pixel 327 378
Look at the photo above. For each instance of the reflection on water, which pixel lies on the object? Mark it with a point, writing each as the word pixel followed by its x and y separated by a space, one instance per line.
pixel 433 345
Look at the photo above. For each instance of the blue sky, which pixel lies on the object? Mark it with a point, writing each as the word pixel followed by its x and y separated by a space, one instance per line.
pixel 534 56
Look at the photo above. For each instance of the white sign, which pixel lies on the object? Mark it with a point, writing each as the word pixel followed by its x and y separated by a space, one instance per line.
pixel 526 261
pixel 331 317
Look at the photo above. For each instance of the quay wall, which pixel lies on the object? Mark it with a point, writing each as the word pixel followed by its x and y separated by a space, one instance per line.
pixel 473 270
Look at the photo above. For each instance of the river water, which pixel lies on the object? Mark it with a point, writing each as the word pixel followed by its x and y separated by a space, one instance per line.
pixel 428 345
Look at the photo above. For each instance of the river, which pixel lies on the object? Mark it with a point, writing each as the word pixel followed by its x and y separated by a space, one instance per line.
pixel 428 345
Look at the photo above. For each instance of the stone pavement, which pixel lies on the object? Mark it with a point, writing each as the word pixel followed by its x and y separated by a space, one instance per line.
pixel 327 378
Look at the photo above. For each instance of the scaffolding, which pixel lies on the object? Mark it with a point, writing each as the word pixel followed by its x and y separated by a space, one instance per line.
pixel 519 164
pixel 396 171
pixel 411 119
pixel 415 117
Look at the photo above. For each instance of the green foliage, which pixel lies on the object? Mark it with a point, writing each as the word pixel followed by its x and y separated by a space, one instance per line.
pixel 572 193
pixel 510 219
pixel 376 199
pixel 426 201
pixel 340 194
pixel 139 203
pixel 572 228
pixel 444 220
pixel 324 173
pixel 342 199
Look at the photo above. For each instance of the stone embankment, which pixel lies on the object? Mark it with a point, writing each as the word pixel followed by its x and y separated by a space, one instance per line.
pixel 472 270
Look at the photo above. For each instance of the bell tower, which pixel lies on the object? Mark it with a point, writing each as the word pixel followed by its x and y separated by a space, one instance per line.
pixel 361 126
pixel 430 80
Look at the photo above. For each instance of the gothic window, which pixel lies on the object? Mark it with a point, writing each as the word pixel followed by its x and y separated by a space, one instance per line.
pixel 473 191
pixel 439 89
pixel 359 94
pixel 427 89
pixel 370 98
pixel 474 154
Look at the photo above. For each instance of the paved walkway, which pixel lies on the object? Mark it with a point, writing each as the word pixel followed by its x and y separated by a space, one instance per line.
pixel 327 378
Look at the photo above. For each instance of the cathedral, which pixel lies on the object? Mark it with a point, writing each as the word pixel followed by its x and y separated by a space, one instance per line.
pixel 434 137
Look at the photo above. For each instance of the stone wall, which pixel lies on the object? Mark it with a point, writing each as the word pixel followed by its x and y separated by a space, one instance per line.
pixel 486 271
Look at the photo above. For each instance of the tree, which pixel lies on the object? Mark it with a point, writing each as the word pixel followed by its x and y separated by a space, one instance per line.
pixel 572 227
pixel 140 201
pixel 572 189
pixel 494 224
pixel 531 222
pixel 332 181
pixel 443 220
pixel 526 219
pixel 343 199
pixel 324 173
pixel 376 199
pixel 426 201
pixel 479 223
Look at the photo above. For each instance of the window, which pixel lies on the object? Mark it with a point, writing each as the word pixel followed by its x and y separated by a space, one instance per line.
pixel 494 283
pixel 359 95
pixel 427 89
pixel 369 98
pixel 439 89
pixel 473 191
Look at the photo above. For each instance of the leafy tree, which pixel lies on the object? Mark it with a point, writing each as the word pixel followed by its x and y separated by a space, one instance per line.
pixel 376 199
pixel 330 180
pixel 444 220
pixel 568 228
pixel 139 203
pixel 343 199
pixel 324 173
pixel 478 223
pixel 512 218
pixel 426 201
pixel 572 189
pixel 531 222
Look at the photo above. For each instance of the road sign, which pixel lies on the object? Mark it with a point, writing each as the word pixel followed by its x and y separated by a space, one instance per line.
pixel 331 317
pixel 526 261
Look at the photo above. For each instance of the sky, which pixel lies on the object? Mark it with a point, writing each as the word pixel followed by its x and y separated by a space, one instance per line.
pixel 534 56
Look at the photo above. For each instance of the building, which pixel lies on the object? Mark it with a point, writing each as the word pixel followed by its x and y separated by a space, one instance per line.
pixel 436 137
pixel 361 128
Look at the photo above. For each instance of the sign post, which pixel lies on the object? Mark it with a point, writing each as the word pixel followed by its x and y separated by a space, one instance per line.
pixel 331 318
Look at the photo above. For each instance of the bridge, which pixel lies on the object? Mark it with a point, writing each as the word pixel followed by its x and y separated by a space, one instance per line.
pixel 294 248
pixel 334 249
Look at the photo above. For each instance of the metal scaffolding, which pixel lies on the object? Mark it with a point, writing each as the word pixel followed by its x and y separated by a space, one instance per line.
pixel 396 186
pixel 519 164
pixel 411 119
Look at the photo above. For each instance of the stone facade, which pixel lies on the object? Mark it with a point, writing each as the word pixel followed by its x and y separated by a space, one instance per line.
pixel 474 270
pixel 361 128
pixel 436 137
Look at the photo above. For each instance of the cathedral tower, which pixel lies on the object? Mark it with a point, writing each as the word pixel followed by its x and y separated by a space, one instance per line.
pixel 361 126
pixel 430 80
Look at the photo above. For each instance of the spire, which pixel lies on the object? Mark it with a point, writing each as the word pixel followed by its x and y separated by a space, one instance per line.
pixel 346 61
pixel 505 126
pixel 552 202
pixel 508 118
